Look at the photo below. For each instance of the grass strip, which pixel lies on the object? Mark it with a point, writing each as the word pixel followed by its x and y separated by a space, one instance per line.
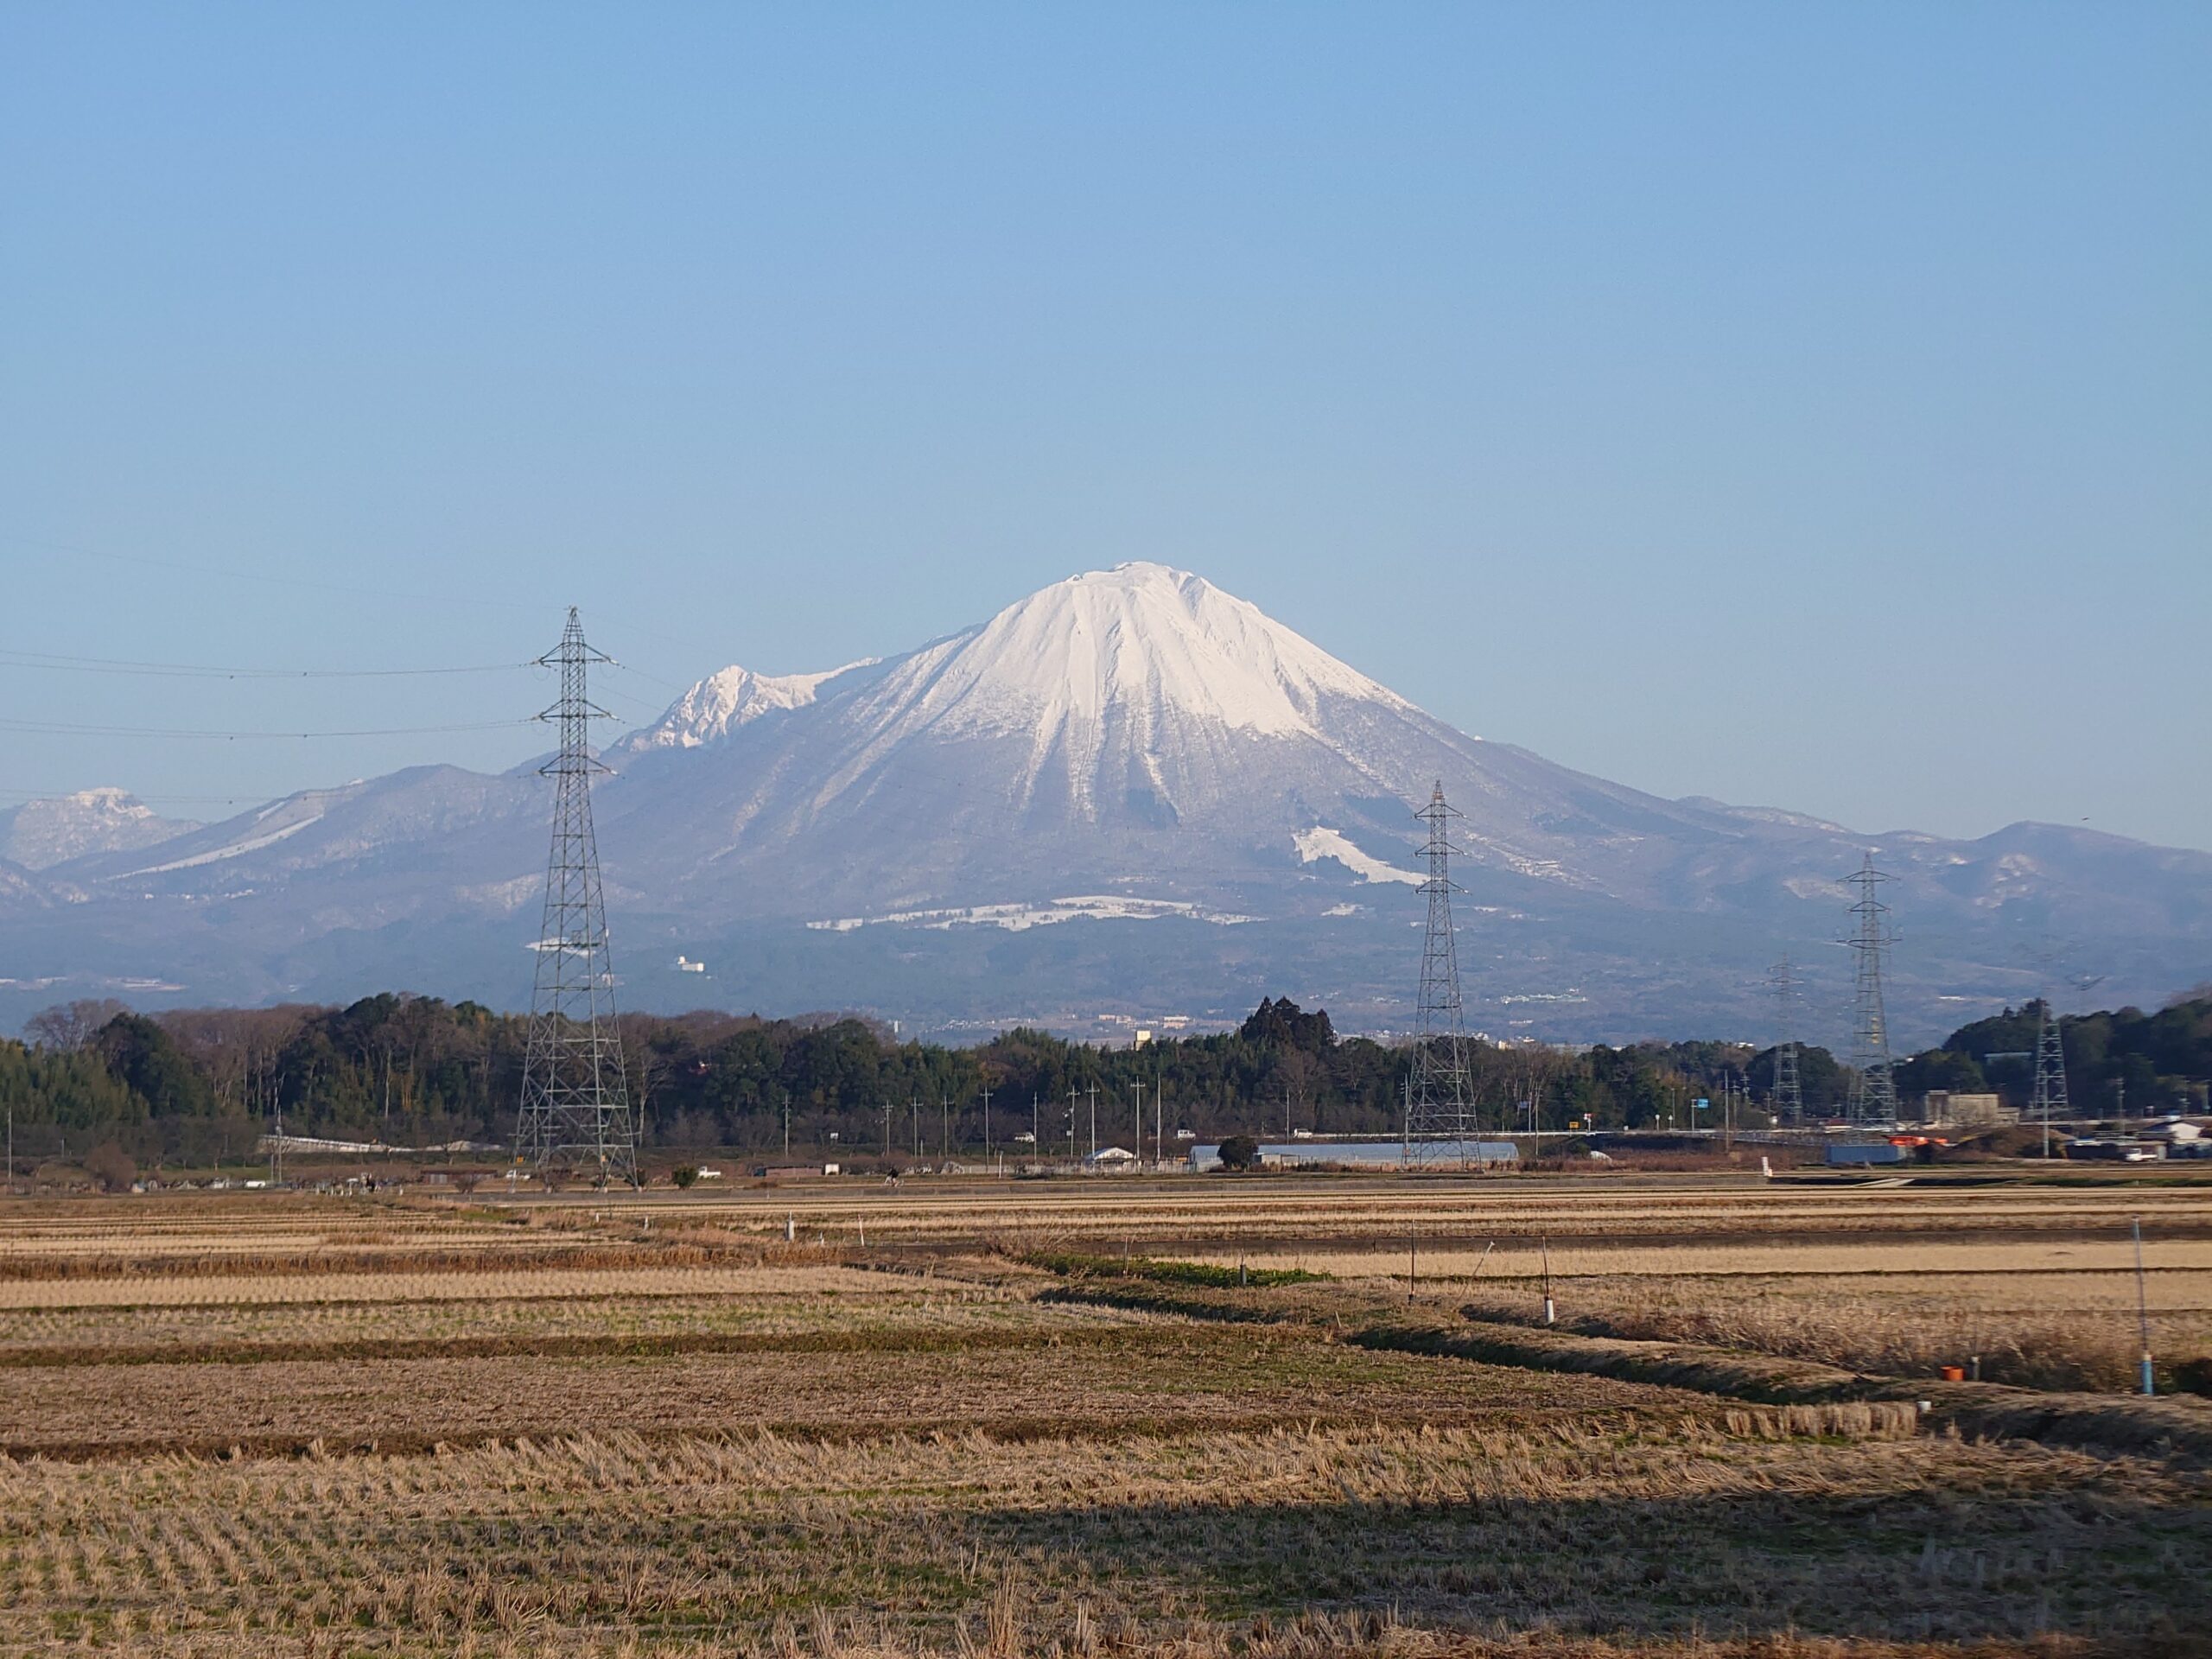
pixel 572 1345
pixel 2175 1428
pixel 1071 1264
pixel 587 1255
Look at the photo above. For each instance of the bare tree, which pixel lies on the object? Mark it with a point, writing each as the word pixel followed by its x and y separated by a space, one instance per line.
pixel 647 1066
pixel 111 1166
pixel 68 1027
pixel 1292 1079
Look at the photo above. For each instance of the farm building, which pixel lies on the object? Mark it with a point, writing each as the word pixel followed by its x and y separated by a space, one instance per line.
pixel 1865 1152
pixel 1290 1154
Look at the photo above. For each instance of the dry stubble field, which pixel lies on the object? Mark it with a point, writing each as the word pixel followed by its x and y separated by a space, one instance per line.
pixel 262 1424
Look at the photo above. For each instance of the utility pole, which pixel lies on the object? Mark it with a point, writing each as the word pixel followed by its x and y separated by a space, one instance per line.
pixel 1159 1118
pixel 1094 1123
pixel 1139 1124
pixel 1071 1099
pixel 914 1109
pixel 943 1126
pixel 986 1120
pixel 886 1131
pixel 787 1123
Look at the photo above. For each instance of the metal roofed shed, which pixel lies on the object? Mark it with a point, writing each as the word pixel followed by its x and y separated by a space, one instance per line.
pixel 1856 1153
pixel 1364 1154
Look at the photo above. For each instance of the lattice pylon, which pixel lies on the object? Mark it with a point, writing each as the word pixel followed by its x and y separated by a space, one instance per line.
pixel 1439 1093
pixel 575 1096
pixel 1874 1089
pixel 1788 1089
pixel 2049 1103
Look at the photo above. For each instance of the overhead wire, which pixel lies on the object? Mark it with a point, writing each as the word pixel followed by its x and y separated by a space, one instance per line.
pixel 68 729
pixel 870 777
pixel 443 597
pixel 22 797
pixel 56 662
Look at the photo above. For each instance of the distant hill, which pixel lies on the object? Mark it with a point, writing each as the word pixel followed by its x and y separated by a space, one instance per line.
pixel 41 833
pixel 1129 794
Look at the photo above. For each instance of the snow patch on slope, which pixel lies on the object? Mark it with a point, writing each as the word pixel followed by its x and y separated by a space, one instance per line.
pixel 1016 919
pixel 1321 843
pixel 234 849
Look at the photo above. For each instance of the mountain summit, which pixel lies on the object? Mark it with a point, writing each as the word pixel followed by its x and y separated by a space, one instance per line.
pixel 1141 695
pixel 41 833
pixel 1129 790
pixel 1141 648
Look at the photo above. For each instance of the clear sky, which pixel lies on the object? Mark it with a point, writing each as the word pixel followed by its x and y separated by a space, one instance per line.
pixel 1804 406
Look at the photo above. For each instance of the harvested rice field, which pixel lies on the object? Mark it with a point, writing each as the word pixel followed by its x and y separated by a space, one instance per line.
pixel 1048 1419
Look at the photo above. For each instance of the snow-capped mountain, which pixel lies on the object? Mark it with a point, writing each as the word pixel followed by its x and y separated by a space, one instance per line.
pixel 721 703
pixel 1136 728
pixel 1129 789
pixel 41 833
pixel 1122 721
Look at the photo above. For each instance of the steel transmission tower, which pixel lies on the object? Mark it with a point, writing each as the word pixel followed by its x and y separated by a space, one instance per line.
pixel 2049 1101
pixel 1874 1092
pixel 1439 1105
pixel 575 1099
pixel 1788 1092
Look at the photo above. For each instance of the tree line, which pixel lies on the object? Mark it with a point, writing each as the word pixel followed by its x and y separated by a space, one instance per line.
pixel 416 1071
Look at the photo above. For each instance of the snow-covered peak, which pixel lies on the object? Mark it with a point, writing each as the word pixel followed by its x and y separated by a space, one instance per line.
pixel 722 701
pixel 1142 642
pixel 41 833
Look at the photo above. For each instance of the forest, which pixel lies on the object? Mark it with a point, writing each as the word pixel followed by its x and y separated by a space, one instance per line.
pixel 416 1071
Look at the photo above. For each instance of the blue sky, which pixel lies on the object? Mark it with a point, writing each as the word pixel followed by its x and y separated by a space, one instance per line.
pixel 1798 405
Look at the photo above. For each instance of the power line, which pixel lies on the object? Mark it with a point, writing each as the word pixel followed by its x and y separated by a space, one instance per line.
pixel 52 662
pixel 25 795
pixel 393 595
pixel 59 728
pixel 194 568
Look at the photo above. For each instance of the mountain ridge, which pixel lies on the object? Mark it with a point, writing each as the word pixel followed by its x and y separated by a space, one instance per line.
pixel 1129 787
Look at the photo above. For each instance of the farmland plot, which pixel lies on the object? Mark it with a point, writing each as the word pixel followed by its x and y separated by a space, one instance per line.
pixel 709 1440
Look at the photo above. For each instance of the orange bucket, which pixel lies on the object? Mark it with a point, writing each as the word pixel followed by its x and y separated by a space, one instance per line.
pixel 1954 1373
